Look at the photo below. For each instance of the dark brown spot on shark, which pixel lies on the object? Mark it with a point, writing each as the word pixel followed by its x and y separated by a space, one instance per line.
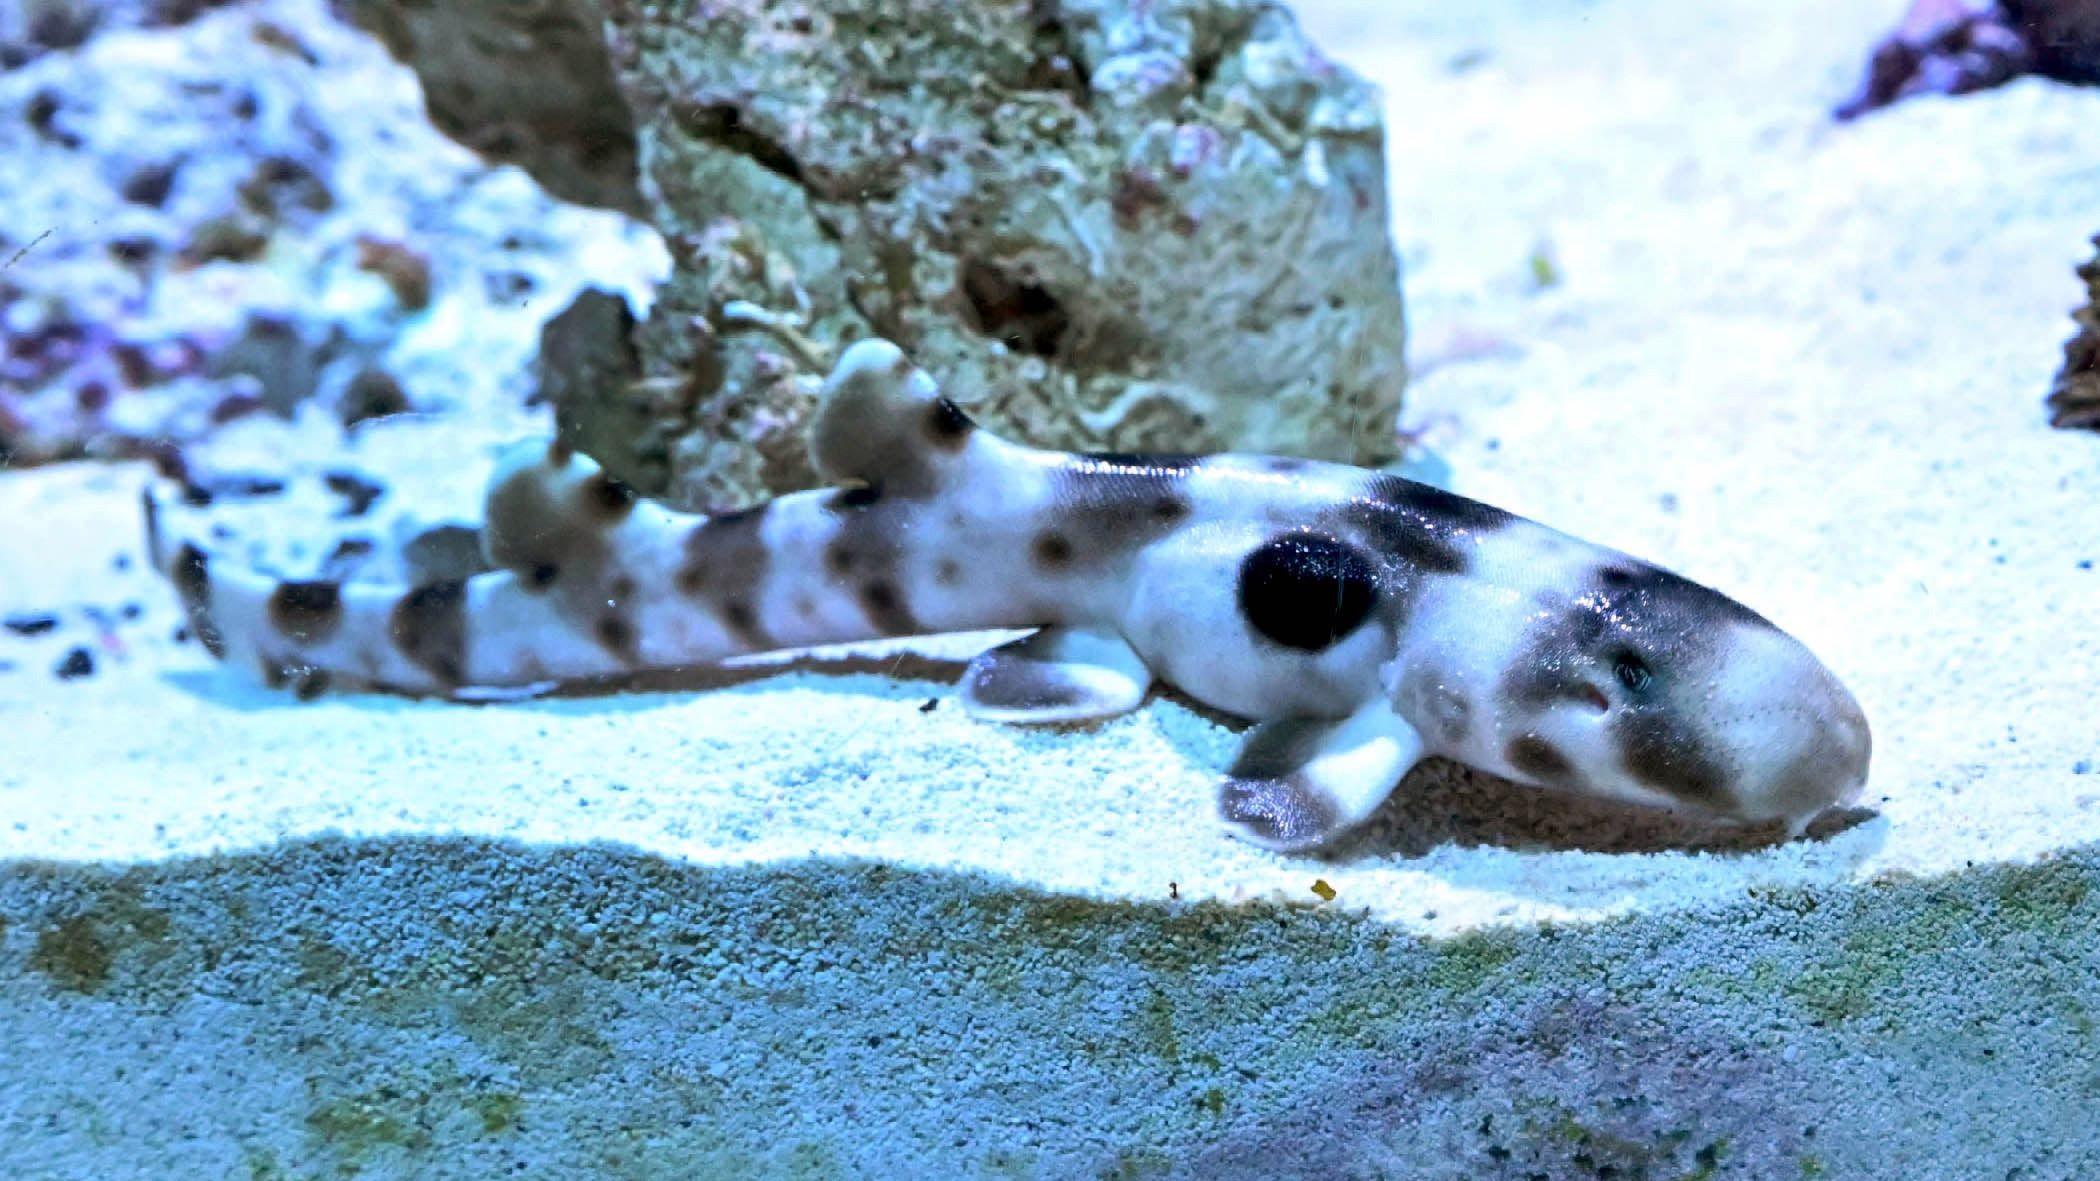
pixel 1432 506
pixel 947 426
pixel 857 496
pixel 1052 549
pixel 1660 636
pixel 1667 752
pixel 607 498
pixel 192 575
pixel 725 564
pixel 1111 505
pixel 1141 461
pixel 839 555
pixel 616 635
pixel 559 453
pixel 311 683
pixel 1674 601
pixel 1424 530
pixel 742 621
pixel 429 626
pixel 886 609
pixel 946 572
pixel 1540 761
pixel 539 576
pixel 306 612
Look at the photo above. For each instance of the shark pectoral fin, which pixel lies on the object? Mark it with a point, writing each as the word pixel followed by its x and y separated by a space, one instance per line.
pixel 1300 782
pixel 1058 674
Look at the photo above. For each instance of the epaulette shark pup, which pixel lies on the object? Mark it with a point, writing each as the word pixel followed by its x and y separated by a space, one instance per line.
pixel 1363 621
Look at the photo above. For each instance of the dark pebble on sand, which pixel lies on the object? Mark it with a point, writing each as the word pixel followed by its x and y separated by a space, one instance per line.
pixel 78 663
pixel 201 493
pixel 358 493
pixel 30 625
pixel 345 558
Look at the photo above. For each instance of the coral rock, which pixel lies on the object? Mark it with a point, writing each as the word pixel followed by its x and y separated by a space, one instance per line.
pixel 1959 46
pixel 1104 223
pixel 2075 399
pixel 524 83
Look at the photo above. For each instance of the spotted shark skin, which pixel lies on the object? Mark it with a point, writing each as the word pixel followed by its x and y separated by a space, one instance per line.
pixel 1362 621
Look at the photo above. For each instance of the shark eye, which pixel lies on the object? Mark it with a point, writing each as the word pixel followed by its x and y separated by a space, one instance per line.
pixel 1632 672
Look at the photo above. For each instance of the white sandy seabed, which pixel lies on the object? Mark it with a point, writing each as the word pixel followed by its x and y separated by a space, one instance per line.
pixel 805 925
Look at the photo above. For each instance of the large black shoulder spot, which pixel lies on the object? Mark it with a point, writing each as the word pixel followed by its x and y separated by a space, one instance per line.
pixel 1306 590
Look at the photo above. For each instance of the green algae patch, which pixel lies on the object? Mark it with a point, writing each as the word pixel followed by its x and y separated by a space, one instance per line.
pixel 1138 1164
pixel 1466 963
pixel 356 1124
pixel 1615 1138
pixel 79 951
pixel 2046 896
pixel 323 967
pixel 73 954
pixel 1156 1026
pixel 434 1108
pixel 499 1111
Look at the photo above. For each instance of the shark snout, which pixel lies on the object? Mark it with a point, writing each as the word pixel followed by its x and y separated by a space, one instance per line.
pixel 1816 747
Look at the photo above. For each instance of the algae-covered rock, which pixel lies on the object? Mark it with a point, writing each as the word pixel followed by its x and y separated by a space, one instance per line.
pixel 1103 223
pixel 524 83
pixel 2074 401
pixel 1960 46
